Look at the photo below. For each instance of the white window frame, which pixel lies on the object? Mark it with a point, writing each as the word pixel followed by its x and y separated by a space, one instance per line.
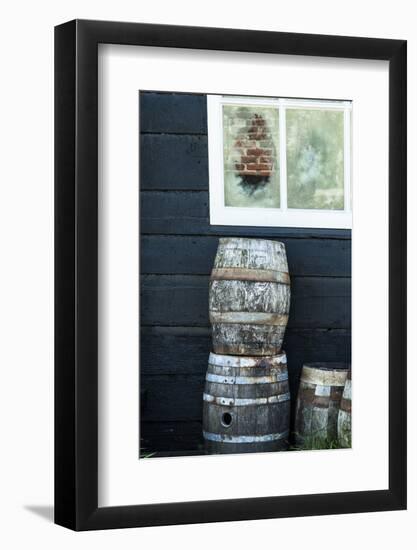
pixel 273 217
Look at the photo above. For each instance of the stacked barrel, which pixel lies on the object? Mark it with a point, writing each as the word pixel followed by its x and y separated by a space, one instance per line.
pixel 246 401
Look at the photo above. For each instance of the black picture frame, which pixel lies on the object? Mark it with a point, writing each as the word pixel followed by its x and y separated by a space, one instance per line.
pixel 76 270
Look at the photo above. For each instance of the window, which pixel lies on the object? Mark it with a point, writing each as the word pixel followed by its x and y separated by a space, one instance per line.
pixel 279 162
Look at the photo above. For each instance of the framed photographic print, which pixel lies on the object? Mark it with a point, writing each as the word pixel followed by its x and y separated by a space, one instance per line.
pixel 230 275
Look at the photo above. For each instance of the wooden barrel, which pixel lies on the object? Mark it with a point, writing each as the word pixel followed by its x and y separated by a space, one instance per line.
pixel 246 404
pixel 249 298
pixel 318 402
pixel 344 421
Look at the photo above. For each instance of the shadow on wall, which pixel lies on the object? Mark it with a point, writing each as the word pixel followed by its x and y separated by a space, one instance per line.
pixel 45 512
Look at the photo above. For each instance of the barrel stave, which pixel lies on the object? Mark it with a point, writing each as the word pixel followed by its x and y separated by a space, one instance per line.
pixel 249 297
pixel 241 339
pixel 304 410
pixel 248 420
pixel 344 420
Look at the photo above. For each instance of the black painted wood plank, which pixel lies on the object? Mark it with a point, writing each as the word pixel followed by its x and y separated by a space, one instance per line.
pixel 173 398
pixel 174 113
pixel 173 162
pixel 174 300
pixel 174 350
pixel 182 300
pixel 165 437
pixel 174 212
pixel 177 212
pixel 195 255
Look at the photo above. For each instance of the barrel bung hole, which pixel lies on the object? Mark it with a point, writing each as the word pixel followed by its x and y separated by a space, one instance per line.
pixel 226 419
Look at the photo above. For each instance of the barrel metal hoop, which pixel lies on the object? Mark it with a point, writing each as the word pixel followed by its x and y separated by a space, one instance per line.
pixel 246 274
pixel 229 361
pixel 323 377
pixel 225 438
pixel 238 402
pixel 345 406
pixel 248 317
pixel 273 379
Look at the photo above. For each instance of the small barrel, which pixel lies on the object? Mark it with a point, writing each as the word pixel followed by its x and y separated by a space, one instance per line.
pixel 318 402
pixel 344 421
pixel 249 298
pixel 246 404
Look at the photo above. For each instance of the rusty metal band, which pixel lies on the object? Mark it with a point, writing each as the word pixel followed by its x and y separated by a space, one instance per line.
pixel 248 317
pixel 323 377
pixel 246 274
pixel 273 379
pixel 225 438
pixel 238 402
pixel 218 360
pixel 346 405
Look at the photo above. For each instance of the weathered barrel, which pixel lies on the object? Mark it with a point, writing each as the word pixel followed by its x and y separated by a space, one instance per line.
pixel 318 402
pixel 249 298
pixel 344 421
pixel 246 404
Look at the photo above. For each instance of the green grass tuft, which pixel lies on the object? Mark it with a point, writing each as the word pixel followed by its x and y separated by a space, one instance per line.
pixel 315 442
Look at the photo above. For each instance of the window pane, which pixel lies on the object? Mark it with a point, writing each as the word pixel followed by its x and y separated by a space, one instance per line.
pixel 251 165
pixel 315 159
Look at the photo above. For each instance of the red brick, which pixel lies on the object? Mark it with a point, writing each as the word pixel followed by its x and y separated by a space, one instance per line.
pixel 255 152
pixel 249 173
pixel 264 166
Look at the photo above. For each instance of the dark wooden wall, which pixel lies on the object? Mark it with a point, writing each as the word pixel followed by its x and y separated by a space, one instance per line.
pixel 178 246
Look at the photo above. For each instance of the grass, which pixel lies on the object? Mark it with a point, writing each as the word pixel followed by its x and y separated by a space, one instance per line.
pixel 315 442
pixel 144 454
